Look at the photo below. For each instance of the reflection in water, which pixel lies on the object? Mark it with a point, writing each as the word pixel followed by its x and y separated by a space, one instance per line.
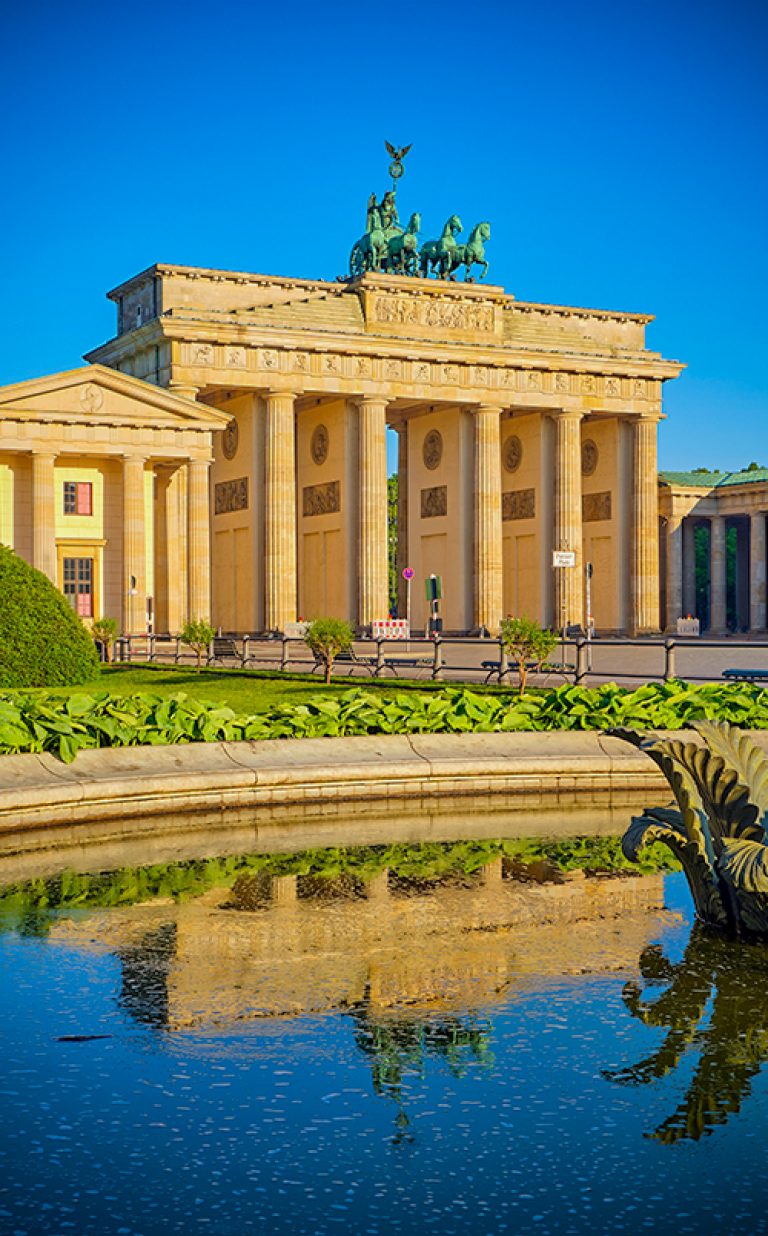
pixel 714 1002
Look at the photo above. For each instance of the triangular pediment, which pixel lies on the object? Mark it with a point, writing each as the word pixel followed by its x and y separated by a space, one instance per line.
pixel 97 395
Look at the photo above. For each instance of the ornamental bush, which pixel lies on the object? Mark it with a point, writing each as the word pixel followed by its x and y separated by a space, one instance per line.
pixel 43 643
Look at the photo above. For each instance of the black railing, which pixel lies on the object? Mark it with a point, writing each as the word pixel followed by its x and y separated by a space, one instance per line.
pixel 466 658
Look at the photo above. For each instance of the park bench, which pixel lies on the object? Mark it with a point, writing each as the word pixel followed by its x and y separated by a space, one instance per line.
pixel 746 675
pixel 224 648
pixel 493 668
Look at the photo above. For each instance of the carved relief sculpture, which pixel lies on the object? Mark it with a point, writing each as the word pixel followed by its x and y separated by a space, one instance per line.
pixel 321 499
pixel 595 507
pixel 229 496
pixel 512 453
pixel 434 501
pixel 589 457
pixel 319 444
pixel 518 504
pixel 230 439
pixel 432 450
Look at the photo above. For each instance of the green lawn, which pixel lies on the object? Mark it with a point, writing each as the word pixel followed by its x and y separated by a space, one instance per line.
pixel 244 691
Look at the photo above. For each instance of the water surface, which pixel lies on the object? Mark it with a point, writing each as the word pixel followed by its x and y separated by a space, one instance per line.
pixel 388 1048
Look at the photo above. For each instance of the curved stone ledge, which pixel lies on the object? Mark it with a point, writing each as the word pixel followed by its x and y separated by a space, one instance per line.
pixel 140 789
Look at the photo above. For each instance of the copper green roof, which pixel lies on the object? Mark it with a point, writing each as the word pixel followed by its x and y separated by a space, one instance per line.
pixel 714 480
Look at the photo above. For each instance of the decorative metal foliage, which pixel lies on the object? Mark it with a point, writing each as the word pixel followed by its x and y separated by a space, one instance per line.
pixel 719 830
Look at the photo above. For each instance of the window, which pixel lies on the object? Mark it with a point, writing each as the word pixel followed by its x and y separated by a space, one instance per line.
pixel 78 585
pixel 78 498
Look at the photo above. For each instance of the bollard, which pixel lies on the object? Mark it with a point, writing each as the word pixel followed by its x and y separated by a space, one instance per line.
pixel 246 650
pixel 379 657
pixel 669 659
pixel 437 664
pixel 283 652
pixel 503 661
pixel 581 660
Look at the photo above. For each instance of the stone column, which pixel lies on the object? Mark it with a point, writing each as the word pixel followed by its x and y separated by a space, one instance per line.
pixel 44 513
pixel 568 588
pixel 198 540
pixel 757 587
pixel 134 546
pixel 177 556
pixel 373 586
pixel 644 614
pixel 401 556
pixel 689 568
pixel 717 579
pixel 280 511
pixel 488 598
pixel 674 573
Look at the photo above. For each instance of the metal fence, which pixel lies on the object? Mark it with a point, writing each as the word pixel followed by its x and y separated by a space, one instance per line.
pixel 471 659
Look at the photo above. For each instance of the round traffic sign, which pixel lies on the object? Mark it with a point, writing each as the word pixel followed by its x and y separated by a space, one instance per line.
pixel 408 573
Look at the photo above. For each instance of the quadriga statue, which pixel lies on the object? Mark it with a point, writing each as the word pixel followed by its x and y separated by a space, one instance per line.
pixel 719 830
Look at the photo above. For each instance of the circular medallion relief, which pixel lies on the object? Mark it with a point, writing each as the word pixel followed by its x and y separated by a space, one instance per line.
pixel 230 439
pixel 319 445
pixel 589 457
pixel 432 450
pixel 512 453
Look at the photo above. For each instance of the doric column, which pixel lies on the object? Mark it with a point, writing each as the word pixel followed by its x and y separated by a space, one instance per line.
pixel 44 513
pixel 689 568
pixel 569 592
pixel 674 574
pixel 198 540
pixel 134 546
pixel 488 602
pixel 177 556
pixel 757 584
pixel 373 595
pixel 644 615
pixel 717 579
pixel 280 511
pixel 401 556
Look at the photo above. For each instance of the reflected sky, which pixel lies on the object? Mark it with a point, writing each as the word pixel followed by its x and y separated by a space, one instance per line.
pixel 445 1067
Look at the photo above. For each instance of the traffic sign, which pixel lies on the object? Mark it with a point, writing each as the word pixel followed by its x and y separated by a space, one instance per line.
pixel 408 573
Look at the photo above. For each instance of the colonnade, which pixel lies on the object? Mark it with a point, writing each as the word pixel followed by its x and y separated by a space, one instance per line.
pixel 280 514
pixel 749 599
pixel 187 503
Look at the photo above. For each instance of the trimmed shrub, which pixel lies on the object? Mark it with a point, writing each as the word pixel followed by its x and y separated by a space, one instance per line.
pixel 43 643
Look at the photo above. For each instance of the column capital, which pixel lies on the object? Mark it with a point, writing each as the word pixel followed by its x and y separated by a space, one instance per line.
pixel 280 392
pixel 565 414
pixel 184 389
pixel 44 454
pixel 478 409
pixel 371 401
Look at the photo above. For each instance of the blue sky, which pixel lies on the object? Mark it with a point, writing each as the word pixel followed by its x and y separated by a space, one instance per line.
pixel 618 151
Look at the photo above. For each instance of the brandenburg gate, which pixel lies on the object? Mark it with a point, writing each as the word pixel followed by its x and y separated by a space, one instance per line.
pixel 523 429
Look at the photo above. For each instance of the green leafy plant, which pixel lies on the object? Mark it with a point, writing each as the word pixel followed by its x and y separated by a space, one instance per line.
pixel 327 637
pixel 528 643
pixel 197 635
pixel 43 643
pixel 43 721
pixel 105 629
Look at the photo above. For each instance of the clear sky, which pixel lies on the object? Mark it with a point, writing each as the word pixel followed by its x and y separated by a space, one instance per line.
pixel 618 150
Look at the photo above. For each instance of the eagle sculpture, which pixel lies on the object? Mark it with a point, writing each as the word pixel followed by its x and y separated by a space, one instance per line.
pixel 397 155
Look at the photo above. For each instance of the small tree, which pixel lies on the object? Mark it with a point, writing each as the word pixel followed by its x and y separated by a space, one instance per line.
pixel 327 637
pixel 105 630
pixel 528 644
pixel 197 634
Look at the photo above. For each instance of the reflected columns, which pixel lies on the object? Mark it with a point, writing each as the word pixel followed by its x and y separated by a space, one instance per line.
pixel 280 511
pixel 373 596
pixel 488 599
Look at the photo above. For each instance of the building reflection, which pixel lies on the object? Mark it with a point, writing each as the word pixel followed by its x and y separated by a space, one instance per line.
pixel 713 1004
